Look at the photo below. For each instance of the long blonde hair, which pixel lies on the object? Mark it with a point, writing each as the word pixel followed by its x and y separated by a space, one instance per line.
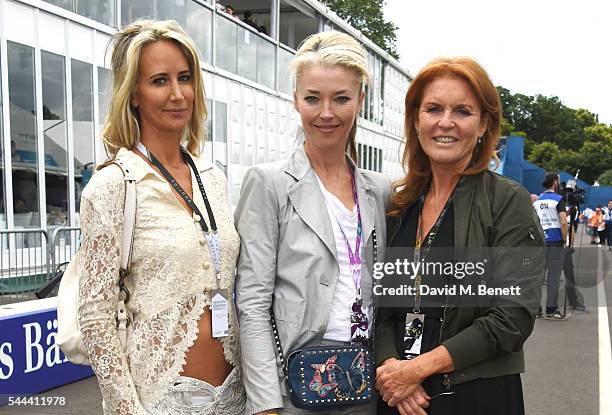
pixel 334 49
pixel 121 125
pixel 414 160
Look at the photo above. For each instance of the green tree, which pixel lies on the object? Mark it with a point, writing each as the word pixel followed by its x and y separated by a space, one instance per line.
pixel 595 158
pixel 586 118
pixel 605 179
pixel 558 137
pixel 545 155
pixel 600 133
pixel 367 17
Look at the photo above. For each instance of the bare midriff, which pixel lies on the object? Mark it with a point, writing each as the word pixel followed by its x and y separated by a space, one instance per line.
pixel 205 359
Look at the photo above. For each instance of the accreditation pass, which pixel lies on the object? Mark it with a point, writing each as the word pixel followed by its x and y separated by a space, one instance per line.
pixel 220 314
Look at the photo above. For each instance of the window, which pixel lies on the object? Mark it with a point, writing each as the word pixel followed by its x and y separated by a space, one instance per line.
pixel 225 52
pixel 265 62
pixel 373 102
pixel 206 151
pixel 104 94
pixel 258 12
pixel 220 135
pixel 24 143
pixel 55 133
pixel 199 27
pixel 102 11
pixel 82 121
pixel 285 80
pixel 297 22
pixel 136 9
pixel 2 152
pixel 370 157
pixel 172 9
pixel 247 53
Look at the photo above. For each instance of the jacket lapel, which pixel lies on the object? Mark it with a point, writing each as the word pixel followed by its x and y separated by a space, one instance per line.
pixel 307 199
pixel 366 205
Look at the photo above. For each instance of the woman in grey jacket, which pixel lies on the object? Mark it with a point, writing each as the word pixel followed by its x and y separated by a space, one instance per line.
pixel 307 227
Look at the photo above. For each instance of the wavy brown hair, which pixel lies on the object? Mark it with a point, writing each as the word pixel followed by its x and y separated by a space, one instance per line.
pixel 414 160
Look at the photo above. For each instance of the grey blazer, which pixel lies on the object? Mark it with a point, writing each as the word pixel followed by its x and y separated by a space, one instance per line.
pixel 288 261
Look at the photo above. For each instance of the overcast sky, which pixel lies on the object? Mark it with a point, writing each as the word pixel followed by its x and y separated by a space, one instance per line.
pixel 561 48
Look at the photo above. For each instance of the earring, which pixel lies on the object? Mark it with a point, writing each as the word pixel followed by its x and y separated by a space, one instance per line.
pixel 480 140
pixel 418 134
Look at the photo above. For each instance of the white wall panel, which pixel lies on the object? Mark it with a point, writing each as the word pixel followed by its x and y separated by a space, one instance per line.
pixel 18 22
pixel 208 79
pixel 235 120
pixel 52 36
pixel 234 180
pixel 261 135
pixel 221 89
pixel 80 39
pixel 102 50
pixel 248 126
pixel 272 122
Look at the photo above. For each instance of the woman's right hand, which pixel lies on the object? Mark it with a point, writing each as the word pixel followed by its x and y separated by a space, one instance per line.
pixel 414 404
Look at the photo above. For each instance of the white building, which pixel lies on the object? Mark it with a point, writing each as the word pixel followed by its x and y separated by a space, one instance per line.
pixel 55 79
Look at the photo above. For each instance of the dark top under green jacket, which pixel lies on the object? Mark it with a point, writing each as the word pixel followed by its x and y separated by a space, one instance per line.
pixel 490 211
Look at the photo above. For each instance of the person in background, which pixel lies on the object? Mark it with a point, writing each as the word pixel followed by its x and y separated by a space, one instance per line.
pixel 308 227
pixel 469 356
pixel 598 224
pixel 185 246
pixel 230 10
pixel 550 207
pixel 590 230
pixel 250 20
pixel 608 220
pixel 574 297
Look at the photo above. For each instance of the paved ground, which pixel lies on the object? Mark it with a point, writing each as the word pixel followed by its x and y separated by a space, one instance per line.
pixel 562 357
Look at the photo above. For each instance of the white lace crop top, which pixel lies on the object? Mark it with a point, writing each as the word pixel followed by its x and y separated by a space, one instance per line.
pixel 170 281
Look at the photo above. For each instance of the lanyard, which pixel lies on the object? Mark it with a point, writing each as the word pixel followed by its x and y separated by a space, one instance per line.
pixel 212 238
pixel 421 251
pixel 354 256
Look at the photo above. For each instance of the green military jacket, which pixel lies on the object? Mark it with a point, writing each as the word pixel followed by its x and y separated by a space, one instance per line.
pixel 490 211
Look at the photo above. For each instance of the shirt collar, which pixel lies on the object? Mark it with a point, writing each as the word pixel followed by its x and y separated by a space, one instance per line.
pixel 141 168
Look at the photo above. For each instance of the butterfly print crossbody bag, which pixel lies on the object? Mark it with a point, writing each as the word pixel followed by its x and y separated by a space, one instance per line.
pixel 321 378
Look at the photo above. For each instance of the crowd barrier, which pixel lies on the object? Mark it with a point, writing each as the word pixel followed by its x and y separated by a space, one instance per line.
pixel 30 360
pixel 31 261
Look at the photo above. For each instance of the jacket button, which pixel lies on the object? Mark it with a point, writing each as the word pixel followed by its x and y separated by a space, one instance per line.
pixel 196 217
pixel 206 265
pixel 202 242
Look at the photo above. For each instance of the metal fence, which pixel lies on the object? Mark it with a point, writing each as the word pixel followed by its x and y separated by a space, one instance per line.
pixel 30 260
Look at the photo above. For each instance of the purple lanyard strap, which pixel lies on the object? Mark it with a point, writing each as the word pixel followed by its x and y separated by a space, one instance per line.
pixel 354 256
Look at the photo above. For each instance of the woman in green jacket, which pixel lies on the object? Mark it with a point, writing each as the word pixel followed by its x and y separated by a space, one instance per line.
pixel 458 351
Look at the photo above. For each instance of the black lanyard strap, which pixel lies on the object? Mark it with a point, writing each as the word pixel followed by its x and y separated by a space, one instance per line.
pixel 187 158
pixel 211 216
pixel 422 252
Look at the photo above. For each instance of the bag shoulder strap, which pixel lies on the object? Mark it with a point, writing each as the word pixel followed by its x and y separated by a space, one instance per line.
pixel 129 216
pixel 279 346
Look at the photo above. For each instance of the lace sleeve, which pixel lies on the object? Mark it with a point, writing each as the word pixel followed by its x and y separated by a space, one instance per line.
pixel 101 224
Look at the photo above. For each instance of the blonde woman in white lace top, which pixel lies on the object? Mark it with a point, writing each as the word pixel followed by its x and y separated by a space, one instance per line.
pixel 173 362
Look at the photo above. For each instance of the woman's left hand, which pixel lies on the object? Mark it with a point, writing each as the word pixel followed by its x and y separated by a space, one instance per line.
pixel 397 379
